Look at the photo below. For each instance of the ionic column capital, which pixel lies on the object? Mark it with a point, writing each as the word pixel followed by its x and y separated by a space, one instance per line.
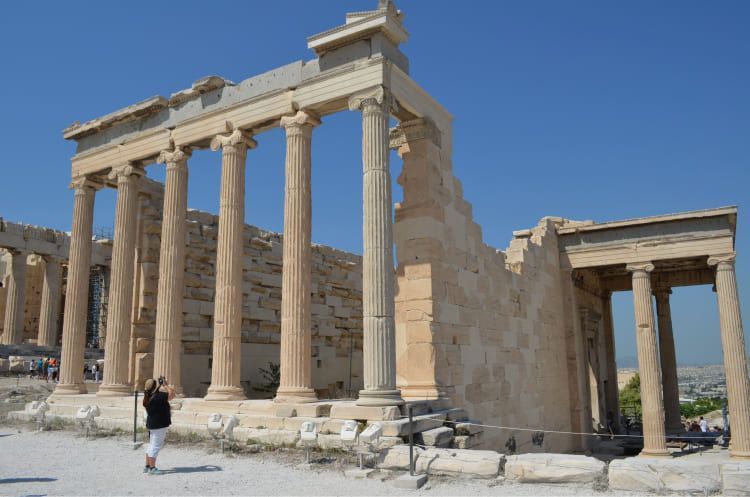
pixel 175 158
pixel 125 172
pixel 662 291
pixel 723 262
pixel 302 119
pixel 416 129
pixel 639 269
pixel 234 139
pixel 53 259
pixel 83 183
pixel 376 98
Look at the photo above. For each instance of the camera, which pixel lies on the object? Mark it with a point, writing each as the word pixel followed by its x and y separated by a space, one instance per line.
pixel 162 380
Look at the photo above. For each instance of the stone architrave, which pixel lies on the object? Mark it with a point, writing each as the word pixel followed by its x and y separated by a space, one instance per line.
pixel 117 347
pixel 654 436
pixel 379 333
pixel 735 354
pixel 168 337
pixel 77 289
pixel 668 358
pixel 50 306
pixel 16 299
pixel 225 371
pixel 296 379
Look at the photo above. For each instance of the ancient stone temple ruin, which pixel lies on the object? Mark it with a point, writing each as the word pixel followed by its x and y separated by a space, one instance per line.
pixel 521 337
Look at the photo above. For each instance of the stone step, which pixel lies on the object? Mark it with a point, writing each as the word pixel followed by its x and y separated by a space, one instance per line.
pixel 466 428
pixel 400 428
pixel 468 441
pixel 436 437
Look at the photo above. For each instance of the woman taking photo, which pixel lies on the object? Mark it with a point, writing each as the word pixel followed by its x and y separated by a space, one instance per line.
pixel 156 397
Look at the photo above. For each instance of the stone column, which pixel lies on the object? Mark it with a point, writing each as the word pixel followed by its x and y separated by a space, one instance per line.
pixel 668 362
pixel 16 299
pixel 50 302
pixel 168 338
pixel 379 354
pixel 735 354
pixel 120 305
pixel 225 372
pixel 612 393
pixel 77 290
pixel 654 441
pixel 296 378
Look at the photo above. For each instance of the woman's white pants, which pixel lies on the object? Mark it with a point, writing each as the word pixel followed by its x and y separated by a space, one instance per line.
pixel 156 441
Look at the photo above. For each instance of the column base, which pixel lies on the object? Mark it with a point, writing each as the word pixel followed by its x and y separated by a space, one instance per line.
pixel 380 398
pixel 114 390
pixel 70 389
pixel 225 393
pixel 735 454
pixel 654 453
pixel 295 395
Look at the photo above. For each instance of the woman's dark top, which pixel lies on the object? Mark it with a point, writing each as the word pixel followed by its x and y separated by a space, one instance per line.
pixel 158 412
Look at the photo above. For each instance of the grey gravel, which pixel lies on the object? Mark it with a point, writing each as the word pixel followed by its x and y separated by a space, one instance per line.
pixel 64 463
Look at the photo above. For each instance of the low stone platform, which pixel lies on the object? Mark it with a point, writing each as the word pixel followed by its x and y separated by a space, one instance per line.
pixel 264 421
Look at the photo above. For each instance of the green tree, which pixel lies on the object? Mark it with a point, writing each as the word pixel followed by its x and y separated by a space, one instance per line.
pixel 701 406
pixel 630 397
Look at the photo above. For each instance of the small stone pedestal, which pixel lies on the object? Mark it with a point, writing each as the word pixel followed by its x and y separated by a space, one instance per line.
pixel 410 482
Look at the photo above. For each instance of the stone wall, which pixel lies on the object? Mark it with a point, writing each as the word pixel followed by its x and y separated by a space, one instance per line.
pixel 336 306
pixel 475 325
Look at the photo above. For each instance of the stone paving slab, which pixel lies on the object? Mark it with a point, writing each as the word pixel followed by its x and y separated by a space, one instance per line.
pixel 460 463
pixel 553 468
pixel 659 475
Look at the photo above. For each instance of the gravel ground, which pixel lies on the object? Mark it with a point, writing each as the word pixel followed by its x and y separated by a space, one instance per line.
pixel 64 463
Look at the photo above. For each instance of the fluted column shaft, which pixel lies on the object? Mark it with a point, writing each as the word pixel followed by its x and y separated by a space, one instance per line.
pixel 296 379
pixel 654 438
pixel 612 394
pixel 668 359
pixel 735 354
pixel 168 342
pixel 16 300
pixel 378 303
pixel 50 306
pixel 225 371
pixel 77 290
pixel 120 304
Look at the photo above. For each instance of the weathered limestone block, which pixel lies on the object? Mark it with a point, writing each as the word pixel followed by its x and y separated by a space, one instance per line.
pixel 351 411
pixel 553 468
pixel 660 475
pixel 461 463
pixel 400 428
pixel 735 478
pixel 397 457
pixel 437 437
pixel 267 437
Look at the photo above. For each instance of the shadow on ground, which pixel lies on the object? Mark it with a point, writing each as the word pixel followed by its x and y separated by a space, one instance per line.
pixel 192 469
pixel 26 480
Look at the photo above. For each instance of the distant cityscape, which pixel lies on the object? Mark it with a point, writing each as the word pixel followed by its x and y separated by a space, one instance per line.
pixel 694 381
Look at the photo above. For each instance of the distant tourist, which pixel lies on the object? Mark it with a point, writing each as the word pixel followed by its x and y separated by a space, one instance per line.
pixel 694 426
pixel 95 371
pixel 40 368
pixel 156 397
pixel 704 425
pixel 32 368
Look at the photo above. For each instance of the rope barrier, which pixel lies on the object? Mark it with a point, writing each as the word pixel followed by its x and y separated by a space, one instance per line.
pixel 562 432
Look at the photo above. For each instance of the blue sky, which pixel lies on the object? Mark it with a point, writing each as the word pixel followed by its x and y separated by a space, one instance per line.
pixel 587 110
